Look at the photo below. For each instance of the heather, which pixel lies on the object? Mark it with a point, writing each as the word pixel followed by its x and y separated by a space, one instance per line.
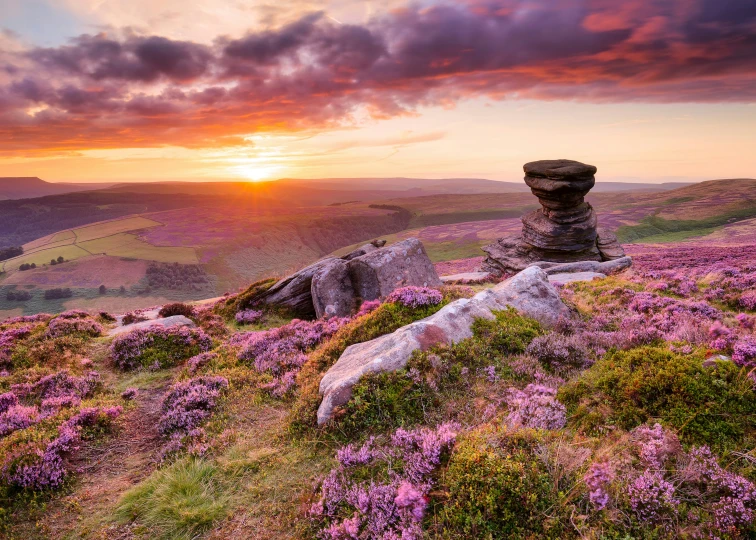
pixel 633 418
pixel 158 347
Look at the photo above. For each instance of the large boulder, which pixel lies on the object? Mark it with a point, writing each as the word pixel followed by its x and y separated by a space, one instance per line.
pixel 332 291
pixel 294 293
pixel 378 273
pixel 529 292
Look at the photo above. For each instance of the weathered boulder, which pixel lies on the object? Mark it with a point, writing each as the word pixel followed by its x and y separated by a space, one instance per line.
pixel 606 267
pixel 167 322
pixel 294 293
pixel 529 292
pixel 466 277
pixel 575 276
pixel 378 273
pixel 332 291
pixel 360 251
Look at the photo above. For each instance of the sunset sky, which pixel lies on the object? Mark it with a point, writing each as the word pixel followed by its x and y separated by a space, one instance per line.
pixel 100 90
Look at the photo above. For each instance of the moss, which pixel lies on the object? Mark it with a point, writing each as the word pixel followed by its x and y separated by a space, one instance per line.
pixel 244 299
pixel 494 487
pixel 705 405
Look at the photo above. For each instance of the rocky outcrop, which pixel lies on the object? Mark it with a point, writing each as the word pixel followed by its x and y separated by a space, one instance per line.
pixel 576 276
pixel 606 267
pixel 376 274
pixel 167 322
pixel 564 229
pixel 333 286
pixel 466 277
pixel 332 290
pixel 529 292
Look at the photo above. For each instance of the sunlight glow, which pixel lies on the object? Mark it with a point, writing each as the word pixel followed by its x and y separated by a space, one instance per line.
pixel 254 172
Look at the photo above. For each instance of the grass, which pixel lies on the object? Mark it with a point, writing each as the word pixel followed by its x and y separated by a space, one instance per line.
pixel 658 229
pixel 129 245
pixel 427 220
pixel 179 502
pixel 109 228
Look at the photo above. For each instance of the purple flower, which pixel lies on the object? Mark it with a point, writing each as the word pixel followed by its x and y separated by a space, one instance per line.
pixel 652 497
pixel 535 407
pixel 249 316
pixel 744 351
pixel 597 478
pixel 130 393
pixel 368 307
pixel 132 350
pixel 415 297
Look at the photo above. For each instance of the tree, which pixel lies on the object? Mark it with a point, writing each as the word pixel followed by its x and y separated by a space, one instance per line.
pixel 122 289
pixel 33 265
pixel 102 289
pixel 53 262
pixel 10 252
pixel 61 259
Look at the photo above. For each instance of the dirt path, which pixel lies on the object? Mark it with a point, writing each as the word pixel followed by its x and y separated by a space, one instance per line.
pixel 105 471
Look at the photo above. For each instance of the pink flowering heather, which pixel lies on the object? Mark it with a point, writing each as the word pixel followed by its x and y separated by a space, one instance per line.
pixel 9 338
pixel 195 363
pixel 7 400
pixel 162 346
pixel 51 406
pixel 282 351
pixel 655 445
pixel 747 300
pixel 60 384
pixel 368 307
pixel 186 407
pixel 746 321
pixel 130 394
pixel 415 297
pixel 17 417
pixel 60 327
pixel 352 507
pixel 33 467
pixel 598 478
pixel 535 407
pixel 249 316
pixel 560 352
pixel 652 498
pixel 744 351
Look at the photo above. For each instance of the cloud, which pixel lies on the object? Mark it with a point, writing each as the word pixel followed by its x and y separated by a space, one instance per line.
pixel 125 89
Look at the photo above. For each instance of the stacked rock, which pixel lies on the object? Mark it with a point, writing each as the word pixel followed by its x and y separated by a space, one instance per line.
pixel 564 229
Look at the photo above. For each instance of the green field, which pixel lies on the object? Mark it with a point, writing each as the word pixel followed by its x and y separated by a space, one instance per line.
pixel 129 245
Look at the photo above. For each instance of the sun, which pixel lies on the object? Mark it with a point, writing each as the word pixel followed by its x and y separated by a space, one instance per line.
pixel 256 173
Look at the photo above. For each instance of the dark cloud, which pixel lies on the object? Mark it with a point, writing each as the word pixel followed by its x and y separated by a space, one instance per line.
pixel 111 91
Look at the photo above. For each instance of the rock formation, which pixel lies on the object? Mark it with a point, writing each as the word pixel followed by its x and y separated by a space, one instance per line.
pixel 529 292
pixel 564 229
pixel 335 286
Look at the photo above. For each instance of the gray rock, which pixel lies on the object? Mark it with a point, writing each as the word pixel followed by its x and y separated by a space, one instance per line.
pixel 467 277
pixel 606 267
pixel 360 251
pixel 529 292
pixel 332 291
pixel 712 360
pixel 376 274
pixel 576 276
pixel 294 293
pixel 167 322
pixel 559 169
pixel 608 245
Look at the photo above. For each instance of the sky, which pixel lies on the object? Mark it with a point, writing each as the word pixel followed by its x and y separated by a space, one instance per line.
pixel 144 90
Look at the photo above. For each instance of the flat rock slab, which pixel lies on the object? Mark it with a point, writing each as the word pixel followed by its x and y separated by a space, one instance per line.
pixel 466 277
pixel 576 276
pixel 529 292
pixel 606 267
pixel 167 322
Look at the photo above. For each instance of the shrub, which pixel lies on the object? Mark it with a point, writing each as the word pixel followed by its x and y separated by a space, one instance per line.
pixel 497 488
pixel 176 276
pixel 707 405
pixel 416 296
pixel 249 316
pixel 244 300
pixel 158 347
pixel 535 407
pixel 102 289
pixel 59 327
pixel 133 317
pixel 560 353
pixel 10 252
pixel 169 310
pixel 18 296
pixel 58 293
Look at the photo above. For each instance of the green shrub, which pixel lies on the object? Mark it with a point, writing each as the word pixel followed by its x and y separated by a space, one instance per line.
pixel 181 501
pixel 705 405
pixel 244 299
pixel 495 487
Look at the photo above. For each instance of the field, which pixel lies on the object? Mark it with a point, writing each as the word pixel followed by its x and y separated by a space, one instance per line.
pixel 244 241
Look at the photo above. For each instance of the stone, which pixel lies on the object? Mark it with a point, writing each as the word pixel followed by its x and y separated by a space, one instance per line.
pixel 606 267
pixel 376 274
pixel 332 291
pixel 294 293
pixel 529 292
pixel 575 276
pixel 467 277
pixel 167 322
pixel 564 229
pixel 362 250
pixel 712 360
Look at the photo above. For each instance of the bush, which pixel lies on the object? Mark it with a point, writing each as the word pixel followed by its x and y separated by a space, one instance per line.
pixel 58 293
pixel 102 289
pixel 706 405
pixel 158 347
pixel 497 488
pixel 10 252
pixel 560 353
pixel 176 276
pixel 27 266
pixel 169 310
pixel 18 296
pixel 60 327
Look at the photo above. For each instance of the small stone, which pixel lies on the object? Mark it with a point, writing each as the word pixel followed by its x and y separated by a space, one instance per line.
pixel 576 276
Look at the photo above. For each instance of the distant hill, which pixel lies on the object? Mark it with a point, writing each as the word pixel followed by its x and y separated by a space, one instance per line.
pixel 28 187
